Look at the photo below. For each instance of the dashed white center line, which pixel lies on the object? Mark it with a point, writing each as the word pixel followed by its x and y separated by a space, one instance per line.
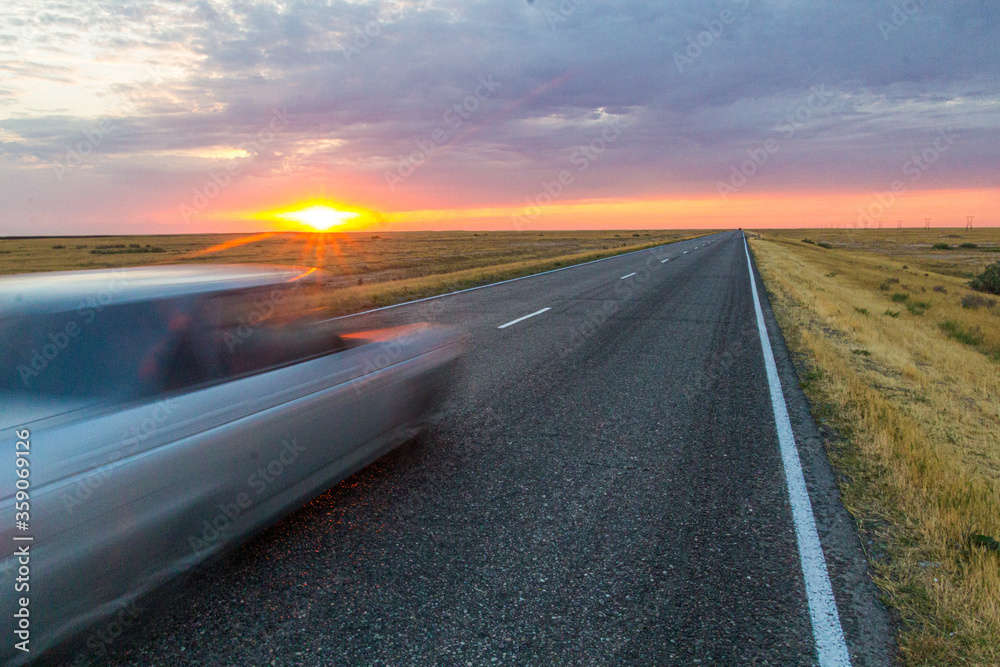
pixel 685 252
pixel 521 319
pixel 665 261
pixel 628 276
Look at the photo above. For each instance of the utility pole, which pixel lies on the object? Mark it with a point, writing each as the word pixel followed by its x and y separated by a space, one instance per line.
pixel 899 224
pixel 968 222
pixel 927 223
pixel 880 224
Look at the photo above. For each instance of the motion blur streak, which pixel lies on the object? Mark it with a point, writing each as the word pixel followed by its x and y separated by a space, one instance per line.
pixel 194 407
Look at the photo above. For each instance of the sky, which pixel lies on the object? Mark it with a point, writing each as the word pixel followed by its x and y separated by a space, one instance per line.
pixel 162 116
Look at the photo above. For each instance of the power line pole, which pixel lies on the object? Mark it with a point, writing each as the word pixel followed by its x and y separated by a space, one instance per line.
pixel 968 222
pixel 927 223
pixel 899 224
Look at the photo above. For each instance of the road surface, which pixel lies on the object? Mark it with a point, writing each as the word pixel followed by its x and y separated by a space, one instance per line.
pixel 606 488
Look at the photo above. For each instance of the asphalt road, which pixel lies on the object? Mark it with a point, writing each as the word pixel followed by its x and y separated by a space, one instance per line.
pixel 606 488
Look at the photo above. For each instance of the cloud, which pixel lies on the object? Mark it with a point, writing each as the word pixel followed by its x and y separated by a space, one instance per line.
pixel 696 86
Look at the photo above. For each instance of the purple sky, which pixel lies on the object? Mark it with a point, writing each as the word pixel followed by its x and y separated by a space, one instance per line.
pixel 161 116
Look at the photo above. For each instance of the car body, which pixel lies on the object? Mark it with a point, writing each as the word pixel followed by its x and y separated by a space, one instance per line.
pixel 170 412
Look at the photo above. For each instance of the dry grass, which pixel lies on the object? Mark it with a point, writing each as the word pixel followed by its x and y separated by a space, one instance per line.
pixel 362 297
pixel 366 269
pixel 375 256
pixel 914 396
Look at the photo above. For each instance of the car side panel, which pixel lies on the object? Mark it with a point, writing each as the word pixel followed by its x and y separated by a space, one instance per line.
pixel 201 481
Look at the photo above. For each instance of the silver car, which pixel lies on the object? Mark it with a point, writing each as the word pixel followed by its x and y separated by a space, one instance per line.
pixel 151 417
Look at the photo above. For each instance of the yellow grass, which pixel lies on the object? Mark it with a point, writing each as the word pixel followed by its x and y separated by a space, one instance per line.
pixel 375 256
pixel 354 299
pixel 917 413
pixel 365 269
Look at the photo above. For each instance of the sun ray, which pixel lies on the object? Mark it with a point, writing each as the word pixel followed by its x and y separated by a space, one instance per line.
pixel 243 240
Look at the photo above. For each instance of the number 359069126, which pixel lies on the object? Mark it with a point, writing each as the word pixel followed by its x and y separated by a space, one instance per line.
pixel 22 464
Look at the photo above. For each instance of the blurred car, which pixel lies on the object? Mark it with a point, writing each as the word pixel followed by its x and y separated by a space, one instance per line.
pixel 171 412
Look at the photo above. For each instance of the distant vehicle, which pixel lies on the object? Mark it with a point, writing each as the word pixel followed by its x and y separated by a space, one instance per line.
pixel 169 412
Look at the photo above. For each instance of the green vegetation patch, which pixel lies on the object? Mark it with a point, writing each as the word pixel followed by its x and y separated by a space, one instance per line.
pixel 989 280
pixel 955 330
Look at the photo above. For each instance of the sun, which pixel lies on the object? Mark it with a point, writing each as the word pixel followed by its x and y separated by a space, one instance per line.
pixel 319 216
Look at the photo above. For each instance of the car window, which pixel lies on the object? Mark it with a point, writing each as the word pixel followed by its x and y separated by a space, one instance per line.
pixel 135 350
pixel 255 330
pixel 94 351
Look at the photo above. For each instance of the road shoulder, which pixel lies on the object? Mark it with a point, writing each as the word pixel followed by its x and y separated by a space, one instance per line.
pixel 866 623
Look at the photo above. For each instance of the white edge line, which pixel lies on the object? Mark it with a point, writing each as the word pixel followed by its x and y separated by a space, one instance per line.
pixel 831 646
pixel 628 276
pixel 502 282
pixel 521 319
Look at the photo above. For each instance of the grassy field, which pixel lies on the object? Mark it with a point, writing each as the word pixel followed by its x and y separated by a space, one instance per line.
pixel 901 361
pixel 365 269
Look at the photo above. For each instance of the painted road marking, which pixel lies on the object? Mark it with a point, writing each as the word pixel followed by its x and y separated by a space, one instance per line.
pixel 521 319
pixel 827 631
pixel 685 252
pixel 665 261
pixel 628 276
pixel 501 282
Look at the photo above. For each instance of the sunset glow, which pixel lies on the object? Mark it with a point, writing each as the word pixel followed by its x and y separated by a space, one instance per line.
pixel 319 217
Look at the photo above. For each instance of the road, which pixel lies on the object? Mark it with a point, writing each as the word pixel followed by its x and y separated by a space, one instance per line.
pixel 606 488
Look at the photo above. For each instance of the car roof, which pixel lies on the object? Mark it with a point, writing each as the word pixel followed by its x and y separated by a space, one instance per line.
pixel 58 291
